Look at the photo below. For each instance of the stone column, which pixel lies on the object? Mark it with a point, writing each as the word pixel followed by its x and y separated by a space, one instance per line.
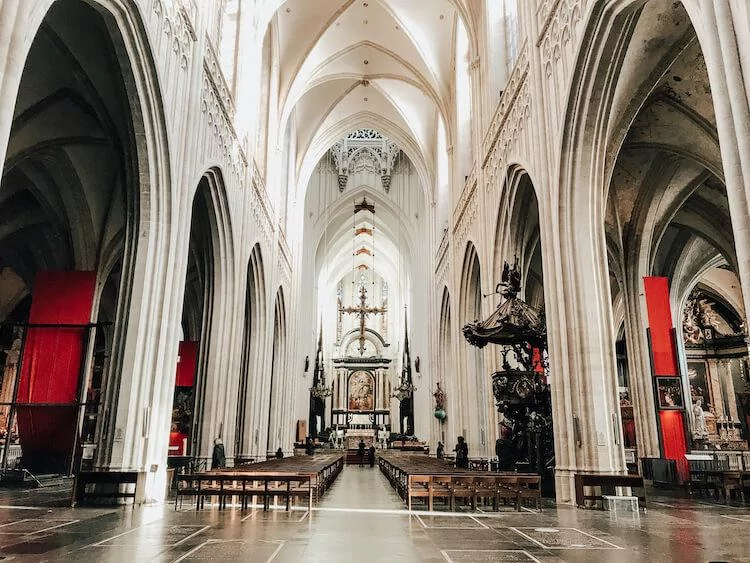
pixel 722 30
pixel 639 367
pixel 585 404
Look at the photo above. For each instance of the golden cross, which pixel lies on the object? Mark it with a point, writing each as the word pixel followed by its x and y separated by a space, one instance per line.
pixel 363 310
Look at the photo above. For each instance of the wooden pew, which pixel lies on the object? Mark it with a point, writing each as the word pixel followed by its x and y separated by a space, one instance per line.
pixel 419 477
pixel 293 477
pixel 225 485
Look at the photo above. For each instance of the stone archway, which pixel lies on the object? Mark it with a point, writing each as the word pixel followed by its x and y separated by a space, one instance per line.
pixel 72 185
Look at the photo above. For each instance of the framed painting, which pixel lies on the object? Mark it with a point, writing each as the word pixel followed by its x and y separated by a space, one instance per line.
pixel 669 391
pixel 698 380
pixel 361 390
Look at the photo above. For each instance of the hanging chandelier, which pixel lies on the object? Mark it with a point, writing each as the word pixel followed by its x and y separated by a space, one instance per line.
pixel 320 391
pixel 404 390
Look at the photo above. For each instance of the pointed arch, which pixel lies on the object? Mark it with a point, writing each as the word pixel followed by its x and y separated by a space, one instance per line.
pixel 207 303
pixel 475 390
pixel 518 234
pixel 251 362
pixel 101 165
pixel 446 369
pixel 276 393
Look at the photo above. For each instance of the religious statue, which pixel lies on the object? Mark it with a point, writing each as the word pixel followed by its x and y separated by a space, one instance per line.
pixel 510 281
pixel 699 320
pixel 8 377
pixel 439 398
pixel 700 429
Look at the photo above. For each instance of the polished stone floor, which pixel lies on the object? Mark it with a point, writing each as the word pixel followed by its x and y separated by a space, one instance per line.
pixel 361 519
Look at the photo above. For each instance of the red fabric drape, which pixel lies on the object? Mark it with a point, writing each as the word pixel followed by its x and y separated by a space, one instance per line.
pixel 673 438
pixel 664 357
pixel 660 323
pixel 52 360
pixel 187 362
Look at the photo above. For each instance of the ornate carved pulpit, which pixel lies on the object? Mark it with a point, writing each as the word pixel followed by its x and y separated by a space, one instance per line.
pixel 520 387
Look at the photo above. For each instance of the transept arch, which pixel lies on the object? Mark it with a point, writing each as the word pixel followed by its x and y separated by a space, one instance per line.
pixel 448 370
pixel 207 306
pixel 475 389
pixel 518 234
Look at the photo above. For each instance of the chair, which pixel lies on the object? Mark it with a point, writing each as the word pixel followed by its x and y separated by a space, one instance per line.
pixel 507 489
pixel 187 485
pixel 486 488
pixel 529 487
pixel 419 487
pixel 463 487
pixel 441 489
pixel 733 482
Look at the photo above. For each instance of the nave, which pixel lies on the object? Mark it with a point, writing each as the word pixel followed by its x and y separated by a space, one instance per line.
pixel 363 519
pixel 233 231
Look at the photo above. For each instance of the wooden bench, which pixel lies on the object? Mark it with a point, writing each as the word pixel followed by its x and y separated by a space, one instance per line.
pixel 418 478
pixel 352 457
pixel 113 480
pixel 245 486
pixel 606 482
pixel 306 477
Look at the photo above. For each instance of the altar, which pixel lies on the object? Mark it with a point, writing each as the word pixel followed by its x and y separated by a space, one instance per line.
pixel 354 437
pixel 361 400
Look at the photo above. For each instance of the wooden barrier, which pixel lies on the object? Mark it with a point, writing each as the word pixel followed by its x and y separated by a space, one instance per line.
pixel 606 483
pixel 113 480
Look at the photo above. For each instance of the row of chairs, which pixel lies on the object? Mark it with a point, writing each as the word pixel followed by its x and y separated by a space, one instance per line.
pixel 323 469
pixel 514 489
pixel 416 476
pixel 288 479
pixel 246 488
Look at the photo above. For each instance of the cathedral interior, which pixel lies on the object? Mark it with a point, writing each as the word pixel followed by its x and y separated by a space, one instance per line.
pixel 460 280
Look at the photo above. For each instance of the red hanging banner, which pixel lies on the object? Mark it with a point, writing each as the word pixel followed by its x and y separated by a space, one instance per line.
pixel 664 361
pixel 51 364
pixel 660 322
pixel 187 361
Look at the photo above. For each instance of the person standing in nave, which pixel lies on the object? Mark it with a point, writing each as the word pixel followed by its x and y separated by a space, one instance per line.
pixel 218 458
pixel 279 454
pixel 371 455
pixel 361 453
pixel 462 453
pixel 440 450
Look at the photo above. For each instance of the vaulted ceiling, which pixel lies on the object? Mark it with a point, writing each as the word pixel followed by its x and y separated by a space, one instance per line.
pixel 385 64
pixel 667 201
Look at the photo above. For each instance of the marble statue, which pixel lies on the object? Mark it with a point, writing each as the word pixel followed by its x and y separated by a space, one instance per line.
pixel 700 430
pixel 439 398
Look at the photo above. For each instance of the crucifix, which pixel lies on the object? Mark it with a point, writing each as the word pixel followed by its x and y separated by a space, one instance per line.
pixel 363 310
